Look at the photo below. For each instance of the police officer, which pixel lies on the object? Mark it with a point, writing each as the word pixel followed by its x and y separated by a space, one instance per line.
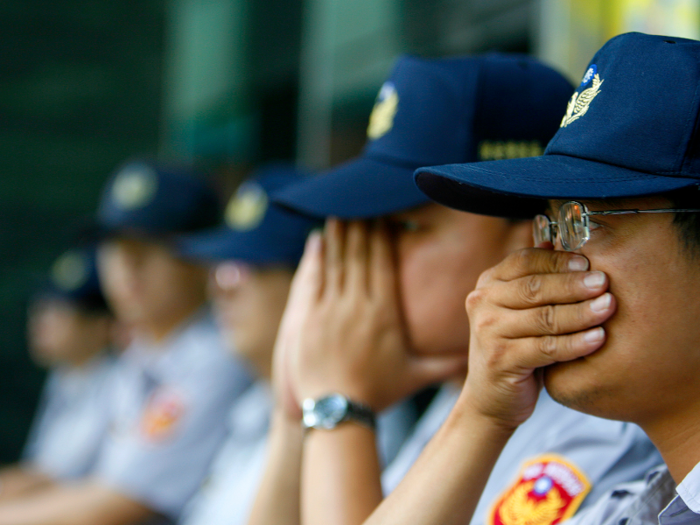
pixel 253 257
pixel 353 343
pixel 69 332
pixel 175 382
pixel 617 190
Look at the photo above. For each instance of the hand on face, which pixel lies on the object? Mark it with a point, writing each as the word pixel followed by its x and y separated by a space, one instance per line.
pixel 353 339
pixel 302 292
pixel 536 308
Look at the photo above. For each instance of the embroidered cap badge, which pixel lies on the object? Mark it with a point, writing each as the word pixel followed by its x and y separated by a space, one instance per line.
pixel 382 118
pixel 581 101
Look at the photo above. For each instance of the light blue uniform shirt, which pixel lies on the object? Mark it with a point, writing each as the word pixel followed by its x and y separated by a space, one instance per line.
pixel 605 452
pixel 169 415
pixel 72 420
pixel 656 500
pixel 227 495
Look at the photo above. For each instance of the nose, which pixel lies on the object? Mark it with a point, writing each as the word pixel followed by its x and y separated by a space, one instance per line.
pixel 228 276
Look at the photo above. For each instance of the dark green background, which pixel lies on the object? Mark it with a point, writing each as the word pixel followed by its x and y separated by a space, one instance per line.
pixel 79 92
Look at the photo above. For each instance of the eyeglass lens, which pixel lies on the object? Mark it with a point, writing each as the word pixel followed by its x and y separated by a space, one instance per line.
pixel 573 225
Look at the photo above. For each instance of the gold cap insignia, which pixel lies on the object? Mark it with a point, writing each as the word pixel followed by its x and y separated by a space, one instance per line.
pixel 499 150
pixel 382 118
pixel 581 101
pixel 247 208
pixel 134 187
pixel 70 271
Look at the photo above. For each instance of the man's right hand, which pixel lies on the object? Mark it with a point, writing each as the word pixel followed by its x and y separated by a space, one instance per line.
pixel 536 308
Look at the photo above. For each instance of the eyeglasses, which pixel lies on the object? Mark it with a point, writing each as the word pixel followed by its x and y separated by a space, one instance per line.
pixel 573 226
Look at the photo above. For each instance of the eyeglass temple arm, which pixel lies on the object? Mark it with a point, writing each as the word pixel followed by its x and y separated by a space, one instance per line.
pixel 634 211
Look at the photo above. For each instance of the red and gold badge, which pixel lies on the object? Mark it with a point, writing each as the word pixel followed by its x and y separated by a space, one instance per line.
pixel 163 410
pixel 548 491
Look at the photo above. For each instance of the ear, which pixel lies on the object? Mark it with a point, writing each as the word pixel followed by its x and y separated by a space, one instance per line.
pixel 520 236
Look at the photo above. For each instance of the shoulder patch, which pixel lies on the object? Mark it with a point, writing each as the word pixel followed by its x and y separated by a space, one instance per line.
pixel 548 490
pixel 162 412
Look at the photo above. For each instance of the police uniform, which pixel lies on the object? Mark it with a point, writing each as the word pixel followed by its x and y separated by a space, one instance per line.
pixel 613 144
pixel 571 457
pixel 259 234
pixel 476 109
pixel 169 406
pixel 171 397
pixel 654 500
pixel 72 420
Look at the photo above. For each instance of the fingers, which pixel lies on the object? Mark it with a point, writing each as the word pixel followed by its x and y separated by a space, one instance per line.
pixel 536 352
pixel 356 257
pixel 334 240
pixel 382 273
pixel 557 319
pixel 534 261
pixel 308 279
pixel 553 288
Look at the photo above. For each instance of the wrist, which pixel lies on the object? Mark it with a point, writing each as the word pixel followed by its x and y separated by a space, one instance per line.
pixel 467 412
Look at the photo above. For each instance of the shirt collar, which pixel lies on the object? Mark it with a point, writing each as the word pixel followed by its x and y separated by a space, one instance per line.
pixel 689 489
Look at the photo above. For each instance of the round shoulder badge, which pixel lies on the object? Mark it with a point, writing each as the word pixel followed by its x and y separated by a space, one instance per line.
pixel 548 490
pixel 163 411
pixel 70 271
pixel 135 186
pixel 382 118
pixel 247 207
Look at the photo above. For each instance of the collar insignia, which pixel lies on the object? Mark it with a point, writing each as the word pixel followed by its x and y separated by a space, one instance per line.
pixel 247 208
pixel 581 101
pixel 70 271
pixel 382 118
pixel 134 187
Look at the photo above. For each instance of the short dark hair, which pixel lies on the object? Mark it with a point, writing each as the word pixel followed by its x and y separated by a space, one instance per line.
pixel 687 224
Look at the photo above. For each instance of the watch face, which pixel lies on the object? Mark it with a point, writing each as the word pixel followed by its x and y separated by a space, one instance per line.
pixel 328 411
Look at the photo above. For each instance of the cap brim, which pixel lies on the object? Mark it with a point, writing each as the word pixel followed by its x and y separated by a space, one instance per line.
pixel 224 244
pixel 519 188
pixel 363 188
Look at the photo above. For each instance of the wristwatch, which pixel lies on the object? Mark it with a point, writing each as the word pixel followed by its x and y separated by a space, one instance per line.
pixel 329 411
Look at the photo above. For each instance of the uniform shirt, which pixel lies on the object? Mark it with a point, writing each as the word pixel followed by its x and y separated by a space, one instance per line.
pixel 227 495
pixel 169 409
pixel 72 420
pixel 557 461
pixel 654 501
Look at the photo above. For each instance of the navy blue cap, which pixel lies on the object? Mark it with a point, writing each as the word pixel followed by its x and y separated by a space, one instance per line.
pixel 438 111
pixel 255 230
pixel 150 199
pixel 73 279
pixel 630 129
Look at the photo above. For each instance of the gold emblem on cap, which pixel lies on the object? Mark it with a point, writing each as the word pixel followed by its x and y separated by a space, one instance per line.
pixel 70 271
pixel 382 118
pixel 134 187
pixel 247 208
pixel 499 150
pixel 580 102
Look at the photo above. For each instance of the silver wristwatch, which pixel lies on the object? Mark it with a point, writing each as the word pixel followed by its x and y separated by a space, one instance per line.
pixel 329 411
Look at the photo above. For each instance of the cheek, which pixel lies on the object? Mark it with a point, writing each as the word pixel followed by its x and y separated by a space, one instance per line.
pixel 433 288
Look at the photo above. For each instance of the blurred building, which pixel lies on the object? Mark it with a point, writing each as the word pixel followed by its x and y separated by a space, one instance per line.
pixel 224 84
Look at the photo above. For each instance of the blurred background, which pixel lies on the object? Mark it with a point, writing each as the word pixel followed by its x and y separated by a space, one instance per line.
pixel 222 84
